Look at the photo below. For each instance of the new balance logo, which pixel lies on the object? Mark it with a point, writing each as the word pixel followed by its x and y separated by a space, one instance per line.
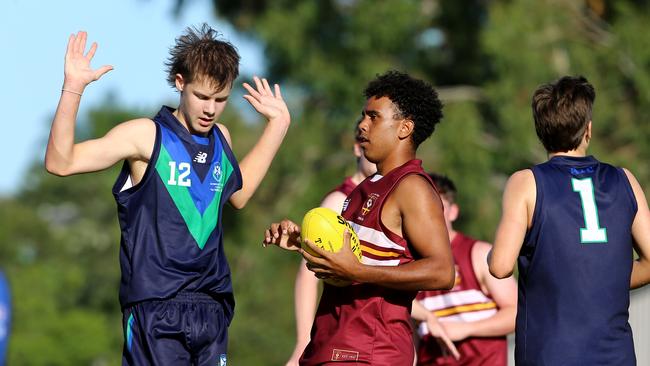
pixel 201 157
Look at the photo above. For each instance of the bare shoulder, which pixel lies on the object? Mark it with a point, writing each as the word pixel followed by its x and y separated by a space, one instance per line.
pixel 481 249
pixel 521 184
pixel 630 177
pixel 522 178
pixel 225 133
pixel 415 187
pixel 334 201
pixel 140 133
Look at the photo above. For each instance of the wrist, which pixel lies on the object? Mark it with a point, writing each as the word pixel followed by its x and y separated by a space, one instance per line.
pixel 74 86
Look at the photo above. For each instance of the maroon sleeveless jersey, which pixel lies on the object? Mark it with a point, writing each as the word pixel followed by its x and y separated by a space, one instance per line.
pixel 364 323
pixel 465 302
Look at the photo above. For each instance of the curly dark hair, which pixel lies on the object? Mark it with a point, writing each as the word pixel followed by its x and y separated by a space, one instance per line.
pixel 413 98
pixel 199 53
pixel 562 111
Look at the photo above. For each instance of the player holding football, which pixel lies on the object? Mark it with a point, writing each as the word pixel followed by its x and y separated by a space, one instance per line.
pixel 398 216
pixel 572 223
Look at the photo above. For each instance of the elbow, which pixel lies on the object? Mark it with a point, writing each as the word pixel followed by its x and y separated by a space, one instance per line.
pixel 238 203
pixel 55 169
pixel 441 280
pixel 500 273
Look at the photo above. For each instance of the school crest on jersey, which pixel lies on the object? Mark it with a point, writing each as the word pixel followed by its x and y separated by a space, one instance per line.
pixel 217 176
pixel 369 204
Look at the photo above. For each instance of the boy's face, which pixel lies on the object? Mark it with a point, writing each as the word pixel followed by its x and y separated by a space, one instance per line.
pixel 379 129
pixel 201 104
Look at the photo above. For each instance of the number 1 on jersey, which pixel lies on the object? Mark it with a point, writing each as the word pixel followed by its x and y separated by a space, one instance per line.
pixel 592 232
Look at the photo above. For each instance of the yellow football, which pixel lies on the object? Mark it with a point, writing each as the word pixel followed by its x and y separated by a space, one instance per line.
pixel 324 227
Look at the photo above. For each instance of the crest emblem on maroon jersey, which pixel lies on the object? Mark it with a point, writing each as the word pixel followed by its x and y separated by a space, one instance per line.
pixel 369 203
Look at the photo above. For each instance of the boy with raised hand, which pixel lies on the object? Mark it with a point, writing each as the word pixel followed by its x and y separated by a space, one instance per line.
pixel 398 217
pixel 572 224
pixel 178 173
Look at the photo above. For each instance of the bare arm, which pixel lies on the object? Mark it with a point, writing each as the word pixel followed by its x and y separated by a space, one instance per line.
pixel 306 291
pixel 63 156
pixel 419 208
pixel 518 206
pixel 503 292
pixel 641 235
pixel 256 163
pixel 420 313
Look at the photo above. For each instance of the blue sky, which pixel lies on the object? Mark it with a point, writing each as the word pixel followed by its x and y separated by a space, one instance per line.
pixel 133 35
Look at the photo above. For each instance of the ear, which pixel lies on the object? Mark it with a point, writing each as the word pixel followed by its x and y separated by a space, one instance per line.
pixel 357 150
pixel 405 129
pixel 180 82
pixel 454 210
pixel 588 132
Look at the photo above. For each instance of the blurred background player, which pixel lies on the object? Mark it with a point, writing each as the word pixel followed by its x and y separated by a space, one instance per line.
pixel 178 172
pixel 398 217
pixel 306 287
pixel 468 324
pixel 572 223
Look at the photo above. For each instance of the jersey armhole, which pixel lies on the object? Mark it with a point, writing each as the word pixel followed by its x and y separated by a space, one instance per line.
pixel 629 190
pixel 539 196
pixel 124 176
pixel 231 156
pixel 389 232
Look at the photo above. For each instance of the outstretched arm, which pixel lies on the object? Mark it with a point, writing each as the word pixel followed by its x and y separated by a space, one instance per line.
pixel 269 103
pixel 518 206
pixel 63 157
pixel 641 235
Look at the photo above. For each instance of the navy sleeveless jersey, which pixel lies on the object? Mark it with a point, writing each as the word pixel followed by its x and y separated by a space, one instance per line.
pixel 172 234
pixel 575 266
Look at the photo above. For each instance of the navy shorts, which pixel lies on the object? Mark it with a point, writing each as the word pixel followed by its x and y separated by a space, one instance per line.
pixel 189 329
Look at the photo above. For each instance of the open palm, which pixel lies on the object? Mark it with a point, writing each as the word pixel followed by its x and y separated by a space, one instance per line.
pixel 77 65
pixel 267 101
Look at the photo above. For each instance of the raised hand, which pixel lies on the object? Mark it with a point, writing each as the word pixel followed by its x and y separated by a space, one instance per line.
pixel 267 102
pixel 78 72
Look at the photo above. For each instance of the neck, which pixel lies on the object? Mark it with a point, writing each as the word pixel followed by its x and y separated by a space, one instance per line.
pixel 358 177
pixel 393 161
pixel 578 153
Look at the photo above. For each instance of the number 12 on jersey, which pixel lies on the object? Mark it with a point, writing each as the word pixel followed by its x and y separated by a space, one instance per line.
pixel 592 232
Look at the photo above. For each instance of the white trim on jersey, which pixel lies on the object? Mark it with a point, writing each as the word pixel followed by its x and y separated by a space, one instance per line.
pixel 375 262
pixel 456 298
pixel 467 317
pixel 375 237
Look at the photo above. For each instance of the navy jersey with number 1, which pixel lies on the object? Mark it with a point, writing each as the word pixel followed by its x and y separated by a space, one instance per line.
pixel 575 267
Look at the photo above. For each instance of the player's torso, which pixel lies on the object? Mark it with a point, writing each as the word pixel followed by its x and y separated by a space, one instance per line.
pixel 575 266
pixel 365 323
pixel 465 302
pixel 171 227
